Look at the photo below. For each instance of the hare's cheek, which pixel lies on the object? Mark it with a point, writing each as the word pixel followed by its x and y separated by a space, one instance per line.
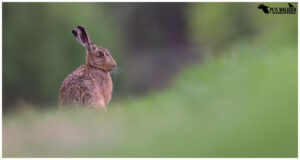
pixel 98 61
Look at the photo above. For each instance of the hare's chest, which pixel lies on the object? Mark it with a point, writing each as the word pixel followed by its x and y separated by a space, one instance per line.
pixel 103 90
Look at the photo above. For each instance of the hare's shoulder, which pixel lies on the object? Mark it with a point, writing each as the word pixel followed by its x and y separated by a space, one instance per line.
pixel 83 77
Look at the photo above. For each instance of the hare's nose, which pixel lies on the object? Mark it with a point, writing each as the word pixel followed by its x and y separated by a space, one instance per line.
pixel 114 65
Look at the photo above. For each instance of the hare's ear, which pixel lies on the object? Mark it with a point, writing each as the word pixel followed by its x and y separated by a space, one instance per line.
pixel 82 36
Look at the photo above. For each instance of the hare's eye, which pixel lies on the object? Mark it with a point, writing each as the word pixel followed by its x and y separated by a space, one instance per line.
pixel 100 54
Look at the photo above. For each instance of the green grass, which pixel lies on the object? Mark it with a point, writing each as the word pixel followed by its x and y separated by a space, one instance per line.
pixel 240 104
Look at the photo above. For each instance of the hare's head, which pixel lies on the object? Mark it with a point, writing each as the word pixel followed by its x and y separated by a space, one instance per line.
pixel 97 56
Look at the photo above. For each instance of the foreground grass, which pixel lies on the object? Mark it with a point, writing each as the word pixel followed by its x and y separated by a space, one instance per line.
pixel 243 104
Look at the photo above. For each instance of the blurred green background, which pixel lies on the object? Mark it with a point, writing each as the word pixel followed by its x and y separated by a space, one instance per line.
pixel 195 80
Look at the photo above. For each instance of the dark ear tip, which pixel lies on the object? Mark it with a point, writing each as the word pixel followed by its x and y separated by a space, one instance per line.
pixel 80 27
pixel 74 32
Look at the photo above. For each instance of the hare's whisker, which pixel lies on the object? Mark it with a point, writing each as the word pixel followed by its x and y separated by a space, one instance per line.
pixel 115 73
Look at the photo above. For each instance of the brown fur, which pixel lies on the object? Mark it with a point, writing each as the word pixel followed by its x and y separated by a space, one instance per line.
pixel 89 84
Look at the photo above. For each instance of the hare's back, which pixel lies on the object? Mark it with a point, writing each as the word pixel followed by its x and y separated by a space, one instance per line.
pixel 78 87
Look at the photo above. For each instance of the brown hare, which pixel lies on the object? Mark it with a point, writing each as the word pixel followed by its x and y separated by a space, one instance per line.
pixel 90 84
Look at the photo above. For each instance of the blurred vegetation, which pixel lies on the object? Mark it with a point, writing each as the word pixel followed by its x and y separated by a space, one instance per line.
pixel 240 103
pixel 219 24
pixel 149 44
